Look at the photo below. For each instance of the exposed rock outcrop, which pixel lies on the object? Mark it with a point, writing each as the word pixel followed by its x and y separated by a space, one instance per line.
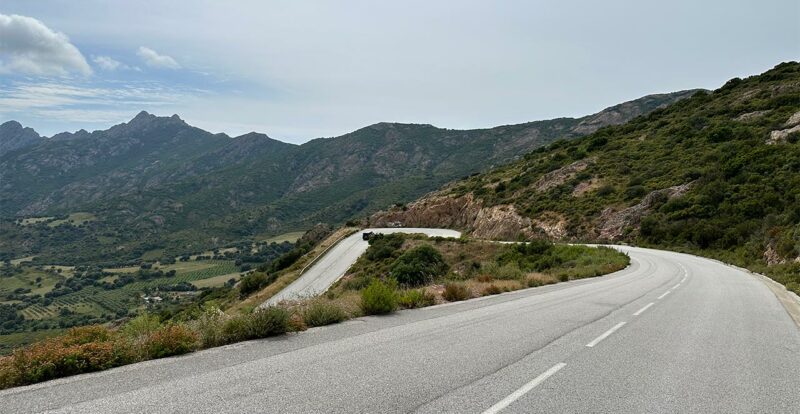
pixel 781 135
pixel 465 212
pixel 613 224
pixel 560 176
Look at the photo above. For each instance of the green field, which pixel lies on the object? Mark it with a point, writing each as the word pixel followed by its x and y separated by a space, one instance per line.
pixel 74 219
pixel 285 237
pixel 33 220
pixel 216 281
pixel 98 302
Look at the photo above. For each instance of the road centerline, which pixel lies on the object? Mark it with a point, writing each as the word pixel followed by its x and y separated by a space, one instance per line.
pixel 505 402
pixel 605 335
pixel 640 311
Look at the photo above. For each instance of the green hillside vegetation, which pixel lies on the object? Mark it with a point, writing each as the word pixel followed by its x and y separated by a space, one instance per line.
pixel 740 199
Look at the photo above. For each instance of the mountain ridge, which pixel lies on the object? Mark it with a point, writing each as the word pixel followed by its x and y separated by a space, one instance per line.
pixel 182 187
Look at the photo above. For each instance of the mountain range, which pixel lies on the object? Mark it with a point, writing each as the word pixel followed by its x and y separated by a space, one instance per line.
pixel 158 183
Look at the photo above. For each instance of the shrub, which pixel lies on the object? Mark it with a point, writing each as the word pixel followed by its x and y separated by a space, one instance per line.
pixel 485 278
pixel 492 290
pixel 172 339
pixel 252 283
pixel 379 298
pixel 320 313
pixel 357 282
pixel 86 349
pixel 507 271
pixel 268 322
pixel 141 325
pixel 383 246
pixel 416 298
pixel 210 327
pixel 455 292
pixel 235 329
pixel 419 266
pixel 9 376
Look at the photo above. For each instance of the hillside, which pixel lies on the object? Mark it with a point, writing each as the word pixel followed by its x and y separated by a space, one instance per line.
pixel 717 174
pixel 157 184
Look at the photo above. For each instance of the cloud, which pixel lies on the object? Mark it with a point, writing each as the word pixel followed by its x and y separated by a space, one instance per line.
pixel 108 63
pixel 153 59
pixel 27 46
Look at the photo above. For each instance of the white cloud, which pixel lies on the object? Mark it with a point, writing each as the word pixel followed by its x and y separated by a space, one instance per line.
pixel 108 63
pixel 153 59
pixel 28 46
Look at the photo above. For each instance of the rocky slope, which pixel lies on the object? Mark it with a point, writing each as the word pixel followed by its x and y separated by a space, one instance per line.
pixel 14 136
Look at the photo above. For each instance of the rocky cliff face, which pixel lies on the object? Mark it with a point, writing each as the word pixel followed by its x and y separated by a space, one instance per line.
pixel 14 136
pixel 466 213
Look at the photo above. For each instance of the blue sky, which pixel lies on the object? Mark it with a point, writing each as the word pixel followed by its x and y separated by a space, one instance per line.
pixel 298 70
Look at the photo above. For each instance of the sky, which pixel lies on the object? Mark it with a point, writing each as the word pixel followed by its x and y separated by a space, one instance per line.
pixel 298 70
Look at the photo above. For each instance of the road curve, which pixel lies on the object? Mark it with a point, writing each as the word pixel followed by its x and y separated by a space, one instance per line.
pixel 334 264
pixel 671 333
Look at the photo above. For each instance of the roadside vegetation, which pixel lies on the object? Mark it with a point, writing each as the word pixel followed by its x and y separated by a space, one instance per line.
pixel 397 272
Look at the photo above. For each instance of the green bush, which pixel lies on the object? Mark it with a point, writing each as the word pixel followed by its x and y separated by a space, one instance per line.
pixel 253 282
pixel 383 246
pixel 508 271
pixel 85 349
pixel 321 313
pixel 455 292
pixel 210 327
pixel 416 298
pixel 268 322
pixel 379 298
pixel 419 266
pixel 172 339
pixel 141 325
pixel 235 329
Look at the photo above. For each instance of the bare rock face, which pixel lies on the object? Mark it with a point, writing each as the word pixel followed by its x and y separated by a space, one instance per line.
pixel 613 224
pixel 500 222
pixel 749 116
pixel 779 136
pixel 561 175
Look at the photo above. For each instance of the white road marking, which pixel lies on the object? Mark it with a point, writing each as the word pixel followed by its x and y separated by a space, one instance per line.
pixel 664 294
pixel 605 335
pixel 639 312
pixel 676 286
pixel 505 402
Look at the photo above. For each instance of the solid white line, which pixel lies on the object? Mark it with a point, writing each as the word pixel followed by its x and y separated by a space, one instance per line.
pixel 505 402
pixel 605 335
pixel 676 286
pixel 639 312
pixel 664 294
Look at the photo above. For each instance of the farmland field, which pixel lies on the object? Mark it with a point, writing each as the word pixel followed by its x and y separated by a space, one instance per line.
pixel 75 219
pixel 95 303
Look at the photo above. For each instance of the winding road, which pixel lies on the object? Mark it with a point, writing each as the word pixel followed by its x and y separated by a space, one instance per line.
pixel 672 333
pixel 334 263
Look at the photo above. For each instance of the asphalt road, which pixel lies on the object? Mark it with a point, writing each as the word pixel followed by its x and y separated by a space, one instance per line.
pixel 333 265
pixel 671 334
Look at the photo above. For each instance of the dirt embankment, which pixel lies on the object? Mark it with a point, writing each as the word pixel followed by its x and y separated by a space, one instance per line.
pixel 466 213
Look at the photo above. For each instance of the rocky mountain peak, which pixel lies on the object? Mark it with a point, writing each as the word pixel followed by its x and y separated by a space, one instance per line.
pixel 14 136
